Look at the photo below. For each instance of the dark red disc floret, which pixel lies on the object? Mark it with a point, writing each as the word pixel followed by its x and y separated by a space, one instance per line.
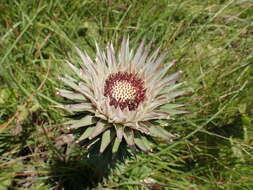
pixel 136 83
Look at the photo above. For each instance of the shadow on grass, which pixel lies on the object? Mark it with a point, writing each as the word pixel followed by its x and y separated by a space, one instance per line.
pixel 85 170
pixel 213 148
pixel 231 130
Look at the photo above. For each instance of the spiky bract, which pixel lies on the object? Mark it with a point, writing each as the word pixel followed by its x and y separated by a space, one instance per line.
pixel 121 93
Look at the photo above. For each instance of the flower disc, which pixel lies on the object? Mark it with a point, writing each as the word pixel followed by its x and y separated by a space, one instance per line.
pixel 124 90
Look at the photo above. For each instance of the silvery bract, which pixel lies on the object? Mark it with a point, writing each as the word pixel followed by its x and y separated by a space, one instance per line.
pixel 121 93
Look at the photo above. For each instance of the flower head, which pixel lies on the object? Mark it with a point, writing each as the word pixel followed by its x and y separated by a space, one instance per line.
pixel 121 93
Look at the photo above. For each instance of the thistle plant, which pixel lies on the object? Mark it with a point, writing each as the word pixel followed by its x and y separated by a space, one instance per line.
pixel 121 94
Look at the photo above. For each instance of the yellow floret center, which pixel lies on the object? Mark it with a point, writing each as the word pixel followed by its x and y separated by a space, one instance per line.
pixel 123 90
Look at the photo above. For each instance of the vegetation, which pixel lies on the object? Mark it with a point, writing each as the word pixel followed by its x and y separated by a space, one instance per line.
pixel 213 45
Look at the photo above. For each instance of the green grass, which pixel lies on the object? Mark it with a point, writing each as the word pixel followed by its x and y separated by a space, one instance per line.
pixel 213 45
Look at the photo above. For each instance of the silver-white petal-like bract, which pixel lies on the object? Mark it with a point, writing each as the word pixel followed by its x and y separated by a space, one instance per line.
pixel 124 91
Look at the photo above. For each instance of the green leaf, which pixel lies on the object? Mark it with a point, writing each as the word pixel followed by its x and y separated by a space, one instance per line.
pixel 106 139
pixel 119 131
pixel 92 142
pixel 160 132
pixel 139 142
pixel 85 121
pixel 86 134
pixel 100 127
pixel 116 145
pixel 147 143
pixel 129 136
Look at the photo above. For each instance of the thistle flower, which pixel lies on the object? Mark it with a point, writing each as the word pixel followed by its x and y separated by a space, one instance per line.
pixel 121 94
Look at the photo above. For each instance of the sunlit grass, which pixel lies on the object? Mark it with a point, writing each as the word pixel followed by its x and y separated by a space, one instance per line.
pixel 212 43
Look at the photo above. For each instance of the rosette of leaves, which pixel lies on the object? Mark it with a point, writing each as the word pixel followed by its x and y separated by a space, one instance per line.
pixel 120 94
